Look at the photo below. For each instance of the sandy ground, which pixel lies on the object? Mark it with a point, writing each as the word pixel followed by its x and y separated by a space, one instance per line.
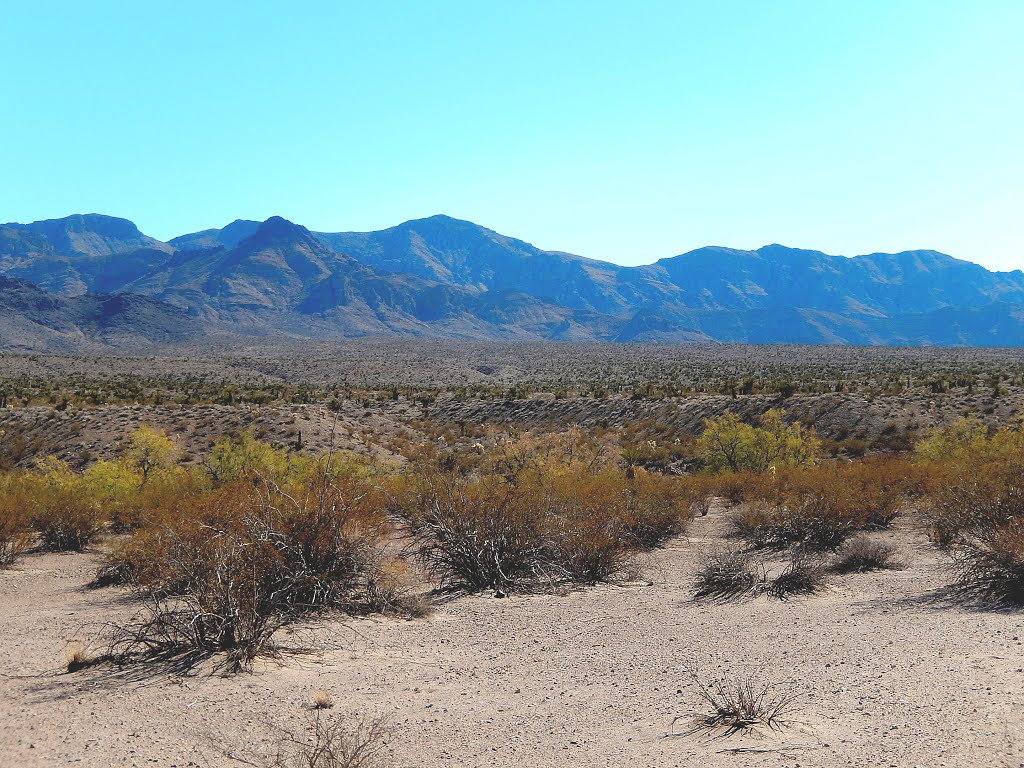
pixel 595 678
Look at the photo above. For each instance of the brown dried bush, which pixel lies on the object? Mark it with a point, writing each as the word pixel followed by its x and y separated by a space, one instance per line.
pixel 978 517
pixel 332 742
pixel 66 518
pixel 991 565
pixel 537 522
pixel 247 559
pixel 820 507
pixel 741 705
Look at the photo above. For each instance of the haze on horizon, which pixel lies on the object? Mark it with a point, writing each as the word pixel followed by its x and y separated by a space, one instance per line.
pixel 621 134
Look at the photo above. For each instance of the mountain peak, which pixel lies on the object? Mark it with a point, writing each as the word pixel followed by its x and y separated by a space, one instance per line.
pixel 91 235
pixel 277 228
pixel 441 220
pixel 97 223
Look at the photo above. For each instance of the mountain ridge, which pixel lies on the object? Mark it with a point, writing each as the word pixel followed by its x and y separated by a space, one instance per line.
pixel 442 276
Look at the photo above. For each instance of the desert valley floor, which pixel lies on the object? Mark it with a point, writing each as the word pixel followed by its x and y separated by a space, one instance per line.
pixel 886 673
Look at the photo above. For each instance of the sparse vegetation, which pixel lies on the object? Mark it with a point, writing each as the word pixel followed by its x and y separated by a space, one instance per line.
pixel 804 574
pixel 726 574
pixel 741 704
pixel 864 554
pixel 332 743
pixel 232 537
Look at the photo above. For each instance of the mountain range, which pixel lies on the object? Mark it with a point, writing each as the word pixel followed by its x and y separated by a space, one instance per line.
pixel 95 279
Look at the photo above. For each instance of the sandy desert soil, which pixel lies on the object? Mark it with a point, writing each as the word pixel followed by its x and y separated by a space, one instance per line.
pixel 888 674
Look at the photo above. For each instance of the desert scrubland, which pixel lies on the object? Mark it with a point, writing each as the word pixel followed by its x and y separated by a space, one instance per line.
pixel 399 554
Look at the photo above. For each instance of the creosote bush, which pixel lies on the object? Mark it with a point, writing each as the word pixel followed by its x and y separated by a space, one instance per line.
pixel 820 507
pixel 65 513
pixel 247 558
pixel 974 508
pixel 531 517
pixel 991 566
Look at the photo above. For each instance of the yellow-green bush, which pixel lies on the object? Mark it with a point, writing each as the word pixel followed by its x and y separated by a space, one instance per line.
pixel 974 505
pixel 65 513
pixel 15 524
pixel 729 443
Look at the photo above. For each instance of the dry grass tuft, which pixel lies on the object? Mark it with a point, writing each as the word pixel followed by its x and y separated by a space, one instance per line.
pixel 322 700
pixel 727 575
pixel 741 705
pixel 862 554
pixel 804 575
pixel 77 657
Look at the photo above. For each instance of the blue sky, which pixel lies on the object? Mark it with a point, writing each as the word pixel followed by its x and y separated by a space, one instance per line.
pixel 622 131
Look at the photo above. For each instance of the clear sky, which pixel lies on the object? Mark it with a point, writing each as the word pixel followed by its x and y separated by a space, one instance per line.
pixel 627 131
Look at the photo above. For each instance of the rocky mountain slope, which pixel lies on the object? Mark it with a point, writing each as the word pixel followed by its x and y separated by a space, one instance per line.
pixel 449 278
pixel 34 319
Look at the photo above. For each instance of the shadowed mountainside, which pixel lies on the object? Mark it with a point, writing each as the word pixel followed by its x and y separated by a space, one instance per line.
pixel 34 319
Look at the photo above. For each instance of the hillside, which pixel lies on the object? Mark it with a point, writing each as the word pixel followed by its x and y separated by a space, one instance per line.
pixel 34 319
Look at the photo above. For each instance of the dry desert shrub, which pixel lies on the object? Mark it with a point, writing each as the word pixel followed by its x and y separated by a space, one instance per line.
pixel 332 743
pixel 393 589
pixel 741 704
pixel 802 520
pixel 479 534
pixel 863 554
pixel 743 487
pixel 727 574
pixel 970 501
pixel 805 574
pixel 655 507
pixel 158 498
pixel 820 507
pixel 65 514
pixel 991 566
pixel 975 508
pixel 529 521
pixel 248 558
